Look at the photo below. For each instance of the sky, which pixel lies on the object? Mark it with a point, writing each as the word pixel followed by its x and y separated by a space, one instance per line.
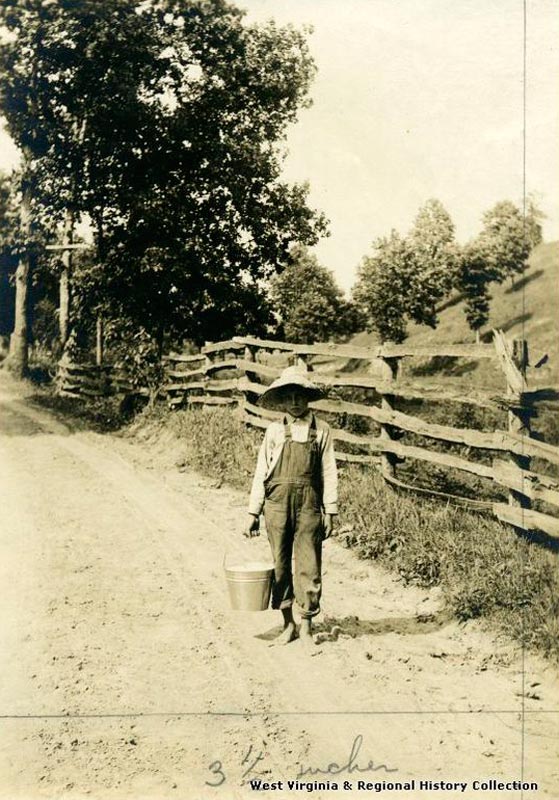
pixel 419 99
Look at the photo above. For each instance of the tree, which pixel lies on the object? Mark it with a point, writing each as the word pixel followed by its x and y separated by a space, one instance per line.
pixel 8 262
pixel 310 305
pixel 503 241
pixel 163 123
pixel 533 224
pixel 20 241
pixel 435 262
pixel 500 251
pixel 26 271
pixel 406 278
pixel 383 287
pixel 473 279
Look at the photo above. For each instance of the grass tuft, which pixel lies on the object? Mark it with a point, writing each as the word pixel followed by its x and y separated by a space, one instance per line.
pixel 216 441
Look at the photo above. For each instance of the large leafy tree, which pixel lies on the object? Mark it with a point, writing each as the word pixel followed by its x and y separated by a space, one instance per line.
pixel 407 277
pixel 534 217
pixel 473 280
pixel 503 240
pixel 435 259
pixel 500 251
pixel 164 122
pixel 310 305
pixel 383 287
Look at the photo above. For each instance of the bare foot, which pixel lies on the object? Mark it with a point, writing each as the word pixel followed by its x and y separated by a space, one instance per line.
pixel 306 637
pixel 287 635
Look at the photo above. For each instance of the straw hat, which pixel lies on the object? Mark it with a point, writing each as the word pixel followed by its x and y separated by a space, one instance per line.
pixel 291 377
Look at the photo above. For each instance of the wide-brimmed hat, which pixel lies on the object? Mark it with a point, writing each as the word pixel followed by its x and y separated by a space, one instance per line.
pixel 291 376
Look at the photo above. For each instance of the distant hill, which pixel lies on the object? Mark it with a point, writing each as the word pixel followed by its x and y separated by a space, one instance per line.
pixel 529 310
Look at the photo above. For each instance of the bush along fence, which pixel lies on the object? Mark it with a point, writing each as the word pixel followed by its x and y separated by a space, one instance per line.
pixel 503 470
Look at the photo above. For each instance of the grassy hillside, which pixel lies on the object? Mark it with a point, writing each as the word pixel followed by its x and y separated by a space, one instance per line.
pixel 529 310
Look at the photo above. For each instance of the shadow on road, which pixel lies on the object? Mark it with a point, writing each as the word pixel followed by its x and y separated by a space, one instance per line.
pixel 352 627
pixel 13 423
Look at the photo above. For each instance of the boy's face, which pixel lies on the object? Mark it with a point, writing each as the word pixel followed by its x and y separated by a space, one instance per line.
pixel 295 402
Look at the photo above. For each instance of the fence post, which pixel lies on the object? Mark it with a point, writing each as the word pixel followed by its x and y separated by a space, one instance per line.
pixel 250 356
pixel 389 374
pixel 519 419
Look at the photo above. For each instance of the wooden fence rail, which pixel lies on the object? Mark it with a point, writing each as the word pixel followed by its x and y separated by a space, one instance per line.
pixel 235 373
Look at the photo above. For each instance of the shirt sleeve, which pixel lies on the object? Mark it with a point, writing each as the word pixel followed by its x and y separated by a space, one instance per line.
pixel 256 501
pixel 329 474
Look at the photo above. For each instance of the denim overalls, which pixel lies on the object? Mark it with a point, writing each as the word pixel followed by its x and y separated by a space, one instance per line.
pixel 293 514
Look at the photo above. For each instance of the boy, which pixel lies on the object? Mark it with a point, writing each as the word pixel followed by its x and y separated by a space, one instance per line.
pixel 296 484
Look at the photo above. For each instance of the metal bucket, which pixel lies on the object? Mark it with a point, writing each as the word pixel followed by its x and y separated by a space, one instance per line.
pixel 249 585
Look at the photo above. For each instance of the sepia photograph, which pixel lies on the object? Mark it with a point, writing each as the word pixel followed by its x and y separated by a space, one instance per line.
pixel 279 399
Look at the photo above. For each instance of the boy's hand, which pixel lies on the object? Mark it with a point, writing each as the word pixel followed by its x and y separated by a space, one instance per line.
pixel 253 528
pixel 328 525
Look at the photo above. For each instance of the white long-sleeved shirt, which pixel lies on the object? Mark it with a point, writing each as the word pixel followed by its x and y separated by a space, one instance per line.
pixel 270 451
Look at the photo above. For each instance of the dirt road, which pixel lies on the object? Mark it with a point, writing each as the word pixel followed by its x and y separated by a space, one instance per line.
pixel 125 674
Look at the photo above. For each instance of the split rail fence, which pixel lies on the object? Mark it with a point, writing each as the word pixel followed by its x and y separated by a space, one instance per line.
pixel 235 373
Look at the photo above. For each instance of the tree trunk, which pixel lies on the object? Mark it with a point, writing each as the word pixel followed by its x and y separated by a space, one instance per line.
pixel 65 285
pixel 18 358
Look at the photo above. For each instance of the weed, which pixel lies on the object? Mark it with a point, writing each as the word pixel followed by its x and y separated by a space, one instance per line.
pixel 217 442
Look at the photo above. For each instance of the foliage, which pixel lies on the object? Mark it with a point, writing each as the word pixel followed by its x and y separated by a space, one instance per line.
pixel 435 258
pixel 310 304
pixel 45 322
pixel 163 124
pixel 7 209
pixel 406 278
pixel 503 241
pixel 533 221
pixel 11 242
pixel 473 279
pixel 137 353
pixel 383 287
pixel 500 251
